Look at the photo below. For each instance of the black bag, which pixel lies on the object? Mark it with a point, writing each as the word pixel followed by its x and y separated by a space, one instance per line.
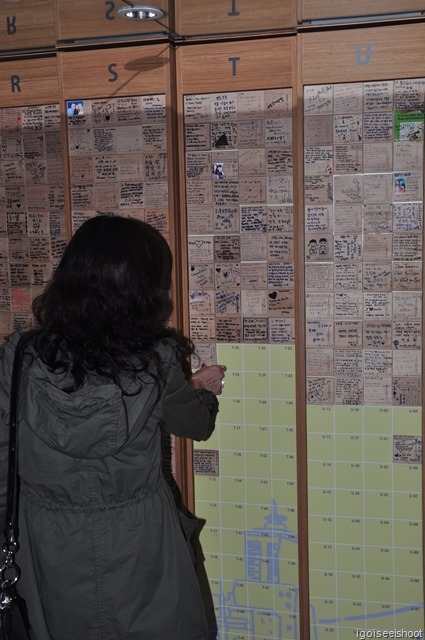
pixel 14 623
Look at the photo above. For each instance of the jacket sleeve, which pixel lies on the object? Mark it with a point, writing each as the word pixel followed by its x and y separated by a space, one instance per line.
pixel 187 413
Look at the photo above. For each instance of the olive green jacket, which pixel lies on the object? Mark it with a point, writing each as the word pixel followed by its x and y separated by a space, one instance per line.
pixel 102 552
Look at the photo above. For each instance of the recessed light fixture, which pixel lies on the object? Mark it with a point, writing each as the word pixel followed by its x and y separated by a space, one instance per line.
pixel 140 13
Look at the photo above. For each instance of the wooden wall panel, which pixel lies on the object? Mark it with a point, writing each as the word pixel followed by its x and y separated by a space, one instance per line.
pixel 115 72
pixel 233 16
pixel 336 63
pixel 99 19
pixel 24 82
pixel 29 24
pixel 323 9
pixel 363 54
pixel 236 65
pixel 213 82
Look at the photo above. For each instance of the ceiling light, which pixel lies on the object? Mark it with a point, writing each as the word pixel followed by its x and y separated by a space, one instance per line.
pixel 140 13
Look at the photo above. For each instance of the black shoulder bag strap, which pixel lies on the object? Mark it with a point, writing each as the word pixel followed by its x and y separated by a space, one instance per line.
pixel 13 623
pixel 12 506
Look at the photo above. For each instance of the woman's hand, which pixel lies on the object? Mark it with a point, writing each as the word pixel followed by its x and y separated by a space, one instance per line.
pixel 209 378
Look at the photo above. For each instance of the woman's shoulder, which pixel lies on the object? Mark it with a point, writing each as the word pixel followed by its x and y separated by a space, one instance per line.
pixel 12 339
pixel 9 344
pixel 7 352
pixel 173 353
pixel 166 347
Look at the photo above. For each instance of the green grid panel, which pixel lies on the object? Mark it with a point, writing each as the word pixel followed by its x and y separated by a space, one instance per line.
pixel 365 523
pixel 249 540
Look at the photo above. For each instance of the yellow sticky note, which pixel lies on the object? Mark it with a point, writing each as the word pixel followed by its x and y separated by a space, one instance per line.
pixel 322 556
pixel 320 419
pixel 282 358
pixel 257 438
pixel 231 355
pixel 256 357
pixel 208 487
pixel 257 384
pixel 377 419
pixel 348 419
pixel 282 385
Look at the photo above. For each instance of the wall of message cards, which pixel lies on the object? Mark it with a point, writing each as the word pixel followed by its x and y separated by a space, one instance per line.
pixel 363 219
pixel 239 191
pixel 362 150
pixel 363 158
pixel 118 159
pixel 239 205
pixel 32 218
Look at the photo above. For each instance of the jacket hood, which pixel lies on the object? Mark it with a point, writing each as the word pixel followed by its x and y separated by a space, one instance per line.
pixel 92 422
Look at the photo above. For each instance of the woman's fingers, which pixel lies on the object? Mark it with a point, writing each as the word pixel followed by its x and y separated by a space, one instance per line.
pixel 211 377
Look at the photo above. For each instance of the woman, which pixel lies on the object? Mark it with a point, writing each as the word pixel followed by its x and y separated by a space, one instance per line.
pixel 102 552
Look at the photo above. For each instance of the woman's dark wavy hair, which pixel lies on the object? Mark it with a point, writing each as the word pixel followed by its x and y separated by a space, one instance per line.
pixel 108 303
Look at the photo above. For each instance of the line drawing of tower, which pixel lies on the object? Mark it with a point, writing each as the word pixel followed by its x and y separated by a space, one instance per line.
pixel 266 542
pixel 264 549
